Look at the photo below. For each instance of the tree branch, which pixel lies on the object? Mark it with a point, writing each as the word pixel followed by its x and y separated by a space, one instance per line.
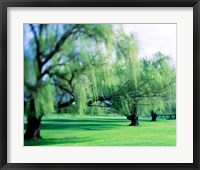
pixel 38 52
pixel 59 44
pixel 66 104
pixel 62 87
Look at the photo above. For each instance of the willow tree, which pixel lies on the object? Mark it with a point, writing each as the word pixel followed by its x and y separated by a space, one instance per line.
pixel 123 68
pixel 155 90
pixel 134 86
pixel 159 77
pixel 56 57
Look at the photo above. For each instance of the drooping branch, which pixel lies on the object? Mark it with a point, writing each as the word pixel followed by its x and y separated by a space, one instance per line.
pixel 133 93
pixel 121 50
pixel 72 77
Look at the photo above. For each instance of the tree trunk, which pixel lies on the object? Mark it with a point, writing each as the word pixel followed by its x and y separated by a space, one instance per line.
pixel 33 128
pixel 134 120
pixel 154 116
pixel 133 117
pixel 33 124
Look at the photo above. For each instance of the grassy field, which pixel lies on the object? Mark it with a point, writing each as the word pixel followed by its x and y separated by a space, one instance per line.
pixel 67 130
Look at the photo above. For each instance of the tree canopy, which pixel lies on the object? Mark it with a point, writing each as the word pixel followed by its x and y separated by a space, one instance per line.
pixel 88 68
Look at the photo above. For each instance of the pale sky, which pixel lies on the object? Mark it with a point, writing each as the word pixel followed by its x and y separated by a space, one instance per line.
pixel 153 38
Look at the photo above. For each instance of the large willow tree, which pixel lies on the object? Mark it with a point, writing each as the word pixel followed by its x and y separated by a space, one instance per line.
pixel 55 59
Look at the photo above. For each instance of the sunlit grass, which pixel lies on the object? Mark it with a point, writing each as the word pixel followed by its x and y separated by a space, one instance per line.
pixel 67 130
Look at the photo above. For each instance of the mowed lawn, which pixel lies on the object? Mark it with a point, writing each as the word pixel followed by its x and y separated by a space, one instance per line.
pixel 68 130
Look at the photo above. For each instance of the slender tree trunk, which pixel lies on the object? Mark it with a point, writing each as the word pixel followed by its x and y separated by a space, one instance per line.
pixel 133 117
pixel 154 116
pixel 33 128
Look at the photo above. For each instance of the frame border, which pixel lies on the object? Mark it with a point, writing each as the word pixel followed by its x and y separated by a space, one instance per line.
pixel 4 4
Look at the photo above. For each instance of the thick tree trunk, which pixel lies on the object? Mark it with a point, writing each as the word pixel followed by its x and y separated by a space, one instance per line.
pixel 33 124
pixel 134 120
pixel 154 116
pixel 33 128
pixel 133 117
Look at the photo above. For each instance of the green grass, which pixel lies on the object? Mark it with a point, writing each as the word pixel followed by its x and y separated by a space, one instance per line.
pixel 67 130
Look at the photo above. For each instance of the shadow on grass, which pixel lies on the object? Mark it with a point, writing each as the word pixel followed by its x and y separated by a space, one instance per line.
pixel 83 124
pixel 85 120
pixel 76 126
pixel 56 141
pixel 149 120
pixel 55 124
pixel 145 120
pixel 71 125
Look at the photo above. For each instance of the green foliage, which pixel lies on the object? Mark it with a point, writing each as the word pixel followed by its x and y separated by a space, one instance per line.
pixel 84 62
pixel 155 88
pixel 125 110
pixel 29 73
pixel 81 98
pixel 161 86
pixel 56 58
pixel 127 53
pixel 43 100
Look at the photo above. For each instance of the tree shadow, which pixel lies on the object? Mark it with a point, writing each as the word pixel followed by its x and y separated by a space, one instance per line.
pixel 76 126
pixel 56 141
pixel 145 120
pixel 73 125
pixel 85 120
pixel 59 124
